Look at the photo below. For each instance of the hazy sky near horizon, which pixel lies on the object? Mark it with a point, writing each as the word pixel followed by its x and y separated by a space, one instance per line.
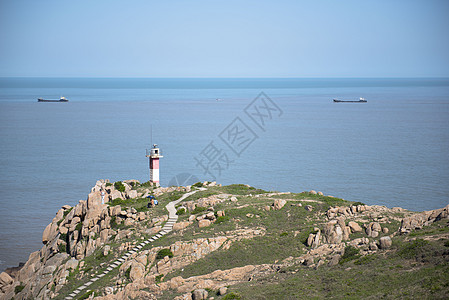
pixel 401 38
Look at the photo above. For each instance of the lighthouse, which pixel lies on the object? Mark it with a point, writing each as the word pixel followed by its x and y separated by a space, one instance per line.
pixel 154 154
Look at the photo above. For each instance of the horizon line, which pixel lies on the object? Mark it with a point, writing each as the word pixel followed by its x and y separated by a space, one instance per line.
pixel 118 77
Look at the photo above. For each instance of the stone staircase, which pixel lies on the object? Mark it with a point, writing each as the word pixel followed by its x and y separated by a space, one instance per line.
pixel 172 218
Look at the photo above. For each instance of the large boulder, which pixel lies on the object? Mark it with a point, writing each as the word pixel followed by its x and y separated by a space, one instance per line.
pixel 355 227
pixel 204 223
pixel 385 242
pixel 279 203
pixel 131 194
pixel 373 229
pixel 5 280
pixel 94 200
pixel 137 271
pixel 80 209
pixel 222 291
pixel 333 233
pixel 49 233
pixel 314 239
pixel 180 225
pixel 116 194
pixel 199 294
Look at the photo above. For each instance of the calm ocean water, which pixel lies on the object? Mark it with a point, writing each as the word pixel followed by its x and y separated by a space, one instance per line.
pixel 390 151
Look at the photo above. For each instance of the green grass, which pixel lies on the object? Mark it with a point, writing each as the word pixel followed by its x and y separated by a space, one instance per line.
pixel 351 253
pixel 86 295
pixel 163 253
pixel 378 277
pixel 232 296
pixel 198 210
pixel 181 211
pixel 241 189
pixel 326 200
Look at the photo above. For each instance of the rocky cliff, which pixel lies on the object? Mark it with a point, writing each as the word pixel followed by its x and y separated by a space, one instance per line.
pixel 230 241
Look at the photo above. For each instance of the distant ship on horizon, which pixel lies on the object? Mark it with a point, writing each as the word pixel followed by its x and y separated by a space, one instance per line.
pixel 361 100
pixel 62 99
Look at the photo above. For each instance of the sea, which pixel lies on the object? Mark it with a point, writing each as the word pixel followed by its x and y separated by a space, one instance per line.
pixel 275 134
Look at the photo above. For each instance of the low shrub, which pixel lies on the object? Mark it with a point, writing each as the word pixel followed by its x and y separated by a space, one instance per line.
pixel 62 248
pixel 18 288
pixel 163 253
pixel 181 211
pixel 147 184
pixel 198 209
pixel 63 236
pixel 232 296
pixel 351 253
pixel 66 212
pixel 364 260
pixel 108 184
pixel 119 186
pixel 357 203
pixel 159 277
pixel 127 273
pixel 198 184
pixel 221 219
pixel 79 226
pixel 86 295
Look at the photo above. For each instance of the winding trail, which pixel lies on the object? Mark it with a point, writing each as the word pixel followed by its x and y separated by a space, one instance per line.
pixel 172 218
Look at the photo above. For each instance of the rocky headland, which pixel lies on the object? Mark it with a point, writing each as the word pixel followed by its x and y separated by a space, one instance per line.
pixel 232 242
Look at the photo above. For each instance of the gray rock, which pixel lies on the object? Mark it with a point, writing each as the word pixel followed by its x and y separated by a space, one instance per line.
pixel 308 260
pixel 385 242
pixel 333 233
pixel 334 260
pixel 109 290
pixel 199 294
pixel 210 216
pixel 222 291
pixel 49 233
pixel 279 203
pixel 49 270
pixel 355 227
pixel 5 280
pixel 72 264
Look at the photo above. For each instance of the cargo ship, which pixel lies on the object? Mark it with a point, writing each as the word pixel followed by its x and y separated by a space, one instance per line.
pixel 62 99
pixel 361 100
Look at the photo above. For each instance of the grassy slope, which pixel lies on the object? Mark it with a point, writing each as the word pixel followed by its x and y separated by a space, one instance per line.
pixel 399 273
pixel 403 273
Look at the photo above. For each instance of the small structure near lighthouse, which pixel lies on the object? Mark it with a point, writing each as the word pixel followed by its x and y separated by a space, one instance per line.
pixel 153 155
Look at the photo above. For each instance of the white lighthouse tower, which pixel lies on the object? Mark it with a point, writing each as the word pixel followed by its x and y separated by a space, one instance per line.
pixel 154 154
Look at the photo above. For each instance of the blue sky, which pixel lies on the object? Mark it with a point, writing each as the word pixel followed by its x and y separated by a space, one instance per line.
pixel 401 38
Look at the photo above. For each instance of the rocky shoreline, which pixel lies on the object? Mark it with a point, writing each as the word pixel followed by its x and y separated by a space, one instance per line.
pixel 83 240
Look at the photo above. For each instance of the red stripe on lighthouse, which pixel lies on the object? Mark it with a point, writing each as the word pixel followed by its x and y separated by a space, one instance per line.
pixel 154 163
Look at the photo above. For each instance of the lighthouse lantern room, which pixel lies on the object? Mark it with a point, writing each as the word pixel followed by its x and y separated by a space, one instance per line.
pixel 153 155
